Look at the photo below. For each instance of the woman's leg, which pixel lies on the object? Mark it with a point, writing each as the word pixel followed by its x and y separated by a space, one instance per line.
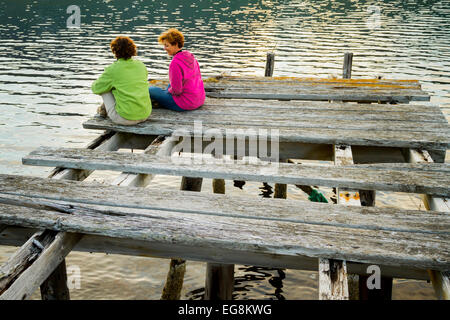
pixel 164 98
pixel 110 106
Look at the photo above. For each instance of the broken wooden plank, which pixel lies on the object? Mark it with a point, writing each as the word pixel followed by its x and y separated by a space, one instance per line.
pixel 50 258
pixel 435 181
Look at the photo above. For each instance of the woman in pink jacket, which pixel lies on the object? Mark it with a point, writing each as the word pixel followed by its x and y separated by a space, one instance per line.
pixel 186 90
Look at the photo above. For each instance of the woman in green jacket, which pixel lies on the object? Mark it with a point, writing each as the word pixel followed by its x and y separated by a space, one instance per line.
pixel 124 85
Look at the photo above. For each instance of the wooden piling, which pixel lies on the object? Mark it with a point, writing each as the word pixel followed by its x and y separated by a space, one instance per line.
pixel 270 63
pixel 347 69
pixel 219 284
pixel 177 268
pixel 55 286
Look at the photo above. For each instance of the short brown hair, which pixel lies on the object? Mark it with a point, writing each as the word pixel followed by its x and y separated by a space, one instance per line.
pixel 123 47
pixel 173 36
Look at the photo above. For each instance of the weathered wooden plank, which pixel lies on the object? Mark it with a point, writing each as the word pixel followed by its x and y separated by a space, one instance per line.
pixel 286 210
pixel 228 105
pixel 51 257
pixel 401 244
pixel 345 89
pixel 421 249
pixel 54 287
pixel 316 88
pixel 435 181
pixel 308 80
pixel 440 280
pixel 346 121
pixel 208 113
pixel 16 236
pixel 401 139
pixel 325 96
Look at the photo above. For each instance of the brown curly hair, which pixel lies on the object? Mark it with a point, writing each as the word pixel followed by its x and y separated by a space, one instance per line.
pixel 173 36
pixel 123 47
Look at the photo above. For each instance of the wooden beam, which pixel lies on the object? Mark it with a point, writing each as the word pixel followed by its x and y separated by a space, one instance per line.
pixel 17 236
pixel 50 258
pixel 440 280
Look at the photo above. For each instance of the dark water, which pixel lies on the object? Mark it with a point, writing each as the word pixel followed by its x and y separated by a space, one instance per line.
pixel 46 70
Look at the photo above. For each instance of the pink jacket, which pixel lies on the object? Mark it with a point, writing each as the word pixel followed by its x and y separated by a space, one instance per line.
pixel 186 84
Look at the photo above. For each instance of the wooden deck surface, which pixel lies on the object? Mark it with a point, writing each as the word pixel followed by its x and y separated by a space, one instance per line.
pixel 404 126
pixel 205 225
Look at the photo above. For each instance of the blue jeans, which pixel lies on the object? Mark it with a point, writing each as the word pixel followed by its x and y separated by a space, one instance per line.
pixel 164 98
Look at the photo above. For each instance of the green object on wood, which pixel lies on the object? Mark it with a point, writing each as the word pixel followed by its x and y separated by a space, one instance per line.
pixel 316 196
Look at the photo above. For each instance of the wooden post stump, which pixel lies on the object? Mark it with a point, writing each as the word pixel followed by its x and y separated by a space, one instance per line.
pixel 175 277
pixel 347 69
pixel 219 283
pixel 55 286
pixel 270 63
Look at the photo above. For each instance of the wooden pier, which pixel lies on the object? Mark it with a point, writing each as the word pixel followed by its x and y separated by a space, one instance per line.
pixel 362 132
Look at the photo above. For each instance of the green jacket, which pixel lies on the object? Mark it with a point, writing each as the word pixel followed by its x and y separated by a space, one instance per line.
pixel 127 80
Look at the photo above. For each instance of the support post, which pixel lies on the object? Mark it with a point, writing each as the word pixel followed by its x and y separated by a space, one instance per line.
pixel 175 277
pixel 55 286
pixel 219 284
pixel 270 63
pixel 347 69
